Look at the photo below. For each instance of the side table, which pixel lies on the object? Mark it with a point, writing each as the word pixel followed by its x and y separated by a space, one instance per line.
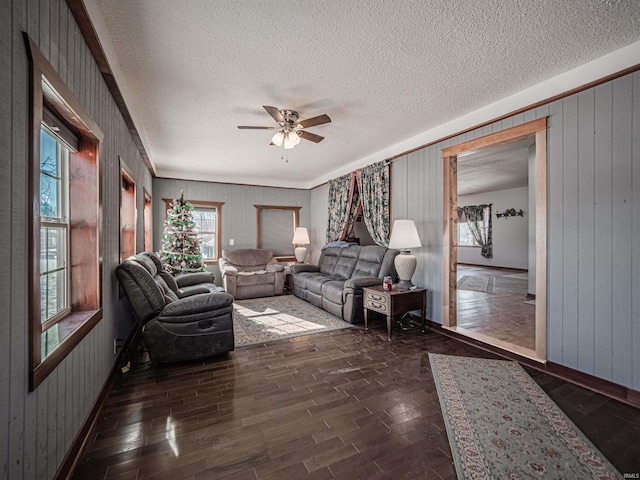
pixel 393 303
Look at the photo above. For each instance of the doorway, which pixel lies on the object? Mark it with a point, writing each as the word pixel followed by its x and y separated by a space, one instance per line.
pixel 536 131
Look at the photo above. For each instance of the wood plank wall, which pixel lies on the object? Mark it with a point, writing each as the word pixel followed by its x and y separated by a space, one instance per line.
pixel 38 427
pixel 593 230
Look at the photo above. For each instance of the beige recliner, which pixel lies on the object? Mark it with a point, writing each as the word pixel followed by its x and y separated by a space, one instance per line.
pixel 251 273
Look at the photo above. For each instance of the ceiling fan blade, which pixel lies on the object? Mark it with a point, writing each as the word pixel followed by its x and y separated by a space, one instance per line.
pixel 310 136
pixel 312 122
pixel 247 127
pixel 275 113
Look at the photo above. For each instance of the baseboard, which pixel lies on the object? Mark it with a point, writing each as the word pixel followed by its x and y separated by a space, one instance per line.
pixel 72 456
pixel 590 382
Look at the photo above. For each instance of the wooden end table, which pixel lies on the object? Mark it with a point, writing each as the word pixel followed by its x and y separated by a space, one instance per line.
pixel 393 303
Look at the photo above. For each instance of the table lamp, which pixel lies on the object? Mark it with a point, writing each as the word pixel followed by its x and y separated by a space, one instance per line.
pixel 404 236
pixel 300 238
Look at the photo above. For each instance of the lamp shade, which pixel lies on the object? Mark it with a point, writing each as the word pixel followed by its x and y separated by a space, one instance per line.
pixel 278 138
pixel 404 235
pixel 301 236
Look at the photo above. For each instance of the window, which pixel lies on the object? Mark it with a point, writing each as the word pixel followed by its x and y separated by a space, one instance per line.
pixel 64 238
pixel 54 235
pixel 208 218
pixel 275 225
pixel 465 238
pixel 147 220
pixel 128 213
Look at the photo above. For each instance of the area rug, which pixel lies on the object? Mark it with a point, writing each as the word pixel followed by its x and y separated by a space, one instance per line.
pixel 260 320
pixel 477 284
pixel 502 425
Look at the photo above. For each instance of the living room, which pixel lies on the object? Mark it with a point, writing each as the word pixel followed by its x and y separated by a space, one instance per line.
pixel 589 101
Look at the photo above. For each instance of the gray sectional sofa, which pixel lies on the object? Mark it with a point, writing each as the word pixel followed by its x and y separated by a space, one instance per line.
pixel 335 284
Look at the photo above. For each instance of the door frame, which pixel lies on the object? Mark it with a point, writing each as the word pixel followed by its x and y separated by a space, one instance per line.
pixel 450 232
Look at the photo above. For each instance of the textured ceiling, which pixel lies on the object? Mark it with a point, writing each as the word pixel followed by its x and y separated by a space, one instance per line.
pixel 384 71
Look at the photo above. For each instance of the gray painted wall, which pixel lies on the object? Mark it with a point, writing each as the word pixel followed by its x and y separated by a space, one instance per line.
pixel 593 225
pixel 38 427
pixel 238 212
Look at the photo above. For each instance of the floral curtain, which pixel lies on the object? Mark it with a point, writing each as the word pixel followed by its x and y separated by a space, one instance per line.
pixel 340 197
pixel 374 186
pixel 479 223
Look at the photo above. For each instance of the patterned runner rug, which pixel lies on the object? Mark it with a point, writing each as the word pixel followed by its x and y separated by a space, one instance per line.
pixel 260 320
pixel 502 425
pixel 477 284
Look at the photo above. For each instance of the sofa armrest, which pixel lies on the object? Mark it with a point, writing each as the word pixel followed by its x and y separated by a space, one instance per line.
pixel 303 267
pixel 360 282
pixel 353 286
pixel 274 267
pixel 181 311
pixel 187 279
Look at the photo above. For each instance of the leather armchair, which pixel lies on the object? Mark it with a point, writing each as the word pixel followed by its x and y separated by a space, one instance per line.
pixel 182 318
pixel 251 273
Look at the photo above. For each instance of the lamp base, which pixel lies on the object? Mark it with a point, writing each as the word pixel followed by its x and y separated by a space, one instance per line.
pixel 301 253
pixel 405 264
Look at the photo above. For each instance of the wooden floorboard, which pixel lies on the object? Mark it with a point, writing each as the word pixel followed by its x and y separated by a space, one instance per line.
pixel 346 404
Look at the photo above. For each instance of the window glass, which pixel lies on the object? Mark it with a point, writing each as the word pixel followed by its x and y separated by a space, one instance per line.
pixel 54 240
pixel 206 221
pixel 50 175
pixel 465 238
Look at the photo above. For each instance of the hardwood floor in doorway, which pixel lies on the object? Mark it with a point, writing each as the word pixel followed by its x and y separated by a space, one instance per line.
pixel 503 314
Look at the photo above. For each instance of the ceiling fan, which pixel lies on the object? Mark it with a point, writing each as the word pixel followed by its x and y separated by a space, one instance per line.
pixel 290 130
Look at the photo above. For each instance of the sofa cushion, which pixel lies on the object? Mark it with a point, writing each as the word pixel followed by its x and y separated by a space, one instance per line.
pixel 369 262
pixel 256 279
pixel 329 259
pixel 248 257
pixel 332 291
pixel 348 260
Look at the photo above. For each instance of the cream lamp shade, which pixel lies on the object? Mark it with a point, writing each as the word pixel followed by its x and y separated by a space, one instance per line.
pixel 404 236
pixel 300 238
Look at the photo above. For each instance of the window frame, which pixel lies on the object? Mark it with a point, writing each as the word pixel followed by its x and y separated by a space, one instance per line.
pixel 218 236
pixel 296 224
pixel 128 211
pixel 147 220
pixel 85 196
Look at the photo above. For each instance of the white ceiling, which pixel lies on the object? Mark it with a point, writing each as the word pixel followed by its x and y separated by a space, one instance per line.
pixel 385 72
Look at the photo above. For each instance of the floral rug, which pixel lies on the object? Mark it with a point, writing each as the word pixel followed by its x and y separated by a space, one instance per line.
pixel 260 320
pixel 502 425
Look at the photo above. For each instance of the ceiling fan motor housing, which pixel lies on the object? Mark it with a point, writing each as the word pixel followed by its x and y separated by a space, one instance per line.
pixel 290 116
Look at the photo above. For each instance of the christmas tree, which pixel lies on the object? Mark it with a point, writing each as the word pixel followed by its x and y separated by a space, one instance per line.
pixel 181 246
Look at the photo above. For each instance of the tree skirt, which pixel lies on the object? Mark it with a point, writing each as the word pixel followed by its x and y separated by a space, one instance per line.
pixel 502 425
pixel 260 320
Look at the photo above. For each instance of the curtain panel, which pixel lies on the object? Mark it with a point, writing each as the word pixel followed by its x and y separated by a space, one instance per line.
pixel 374 185
pixel 339 206
pixel 479 223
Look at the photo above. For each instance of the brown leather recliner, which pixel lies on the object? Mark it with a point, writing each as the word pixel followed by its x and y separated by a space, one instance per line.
pixel 183 318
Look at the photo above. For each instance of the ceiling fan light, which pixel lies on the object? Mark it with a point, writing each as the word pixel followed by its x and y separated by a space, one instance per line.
pixel 294 138
pixel 288 144
pixel 278 138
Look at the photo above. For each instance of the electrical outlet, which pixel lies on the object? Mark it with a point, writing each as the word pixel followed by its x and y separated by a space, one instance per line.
pixel 231 241
pixel 115 345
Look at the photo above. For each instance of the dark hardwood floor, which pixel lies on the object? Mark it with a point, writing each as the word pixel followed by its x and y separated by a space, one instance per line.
pixel 503 315
pixel 346 404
